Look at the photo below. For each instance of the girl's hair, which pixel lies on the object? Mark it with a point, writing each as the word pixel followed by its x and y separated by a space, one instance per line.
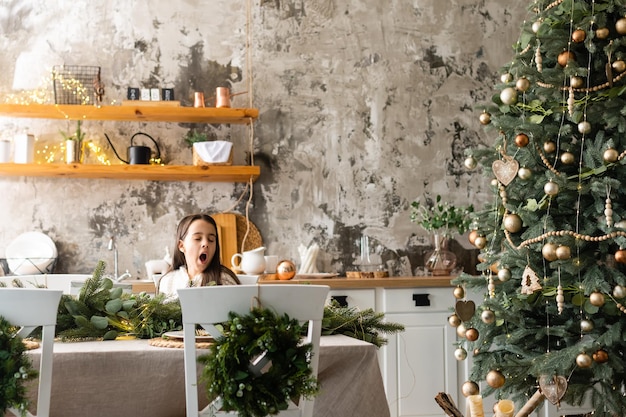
pixel 214 270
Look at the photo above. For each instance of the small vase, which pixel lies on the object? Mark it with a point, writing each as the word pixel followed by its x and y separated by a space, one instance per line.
pixel 441 261
pixel 73 151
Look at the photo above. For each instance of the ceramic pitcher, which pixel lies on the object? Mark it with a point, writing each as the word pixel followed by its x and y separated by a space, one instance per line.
pixel 250 262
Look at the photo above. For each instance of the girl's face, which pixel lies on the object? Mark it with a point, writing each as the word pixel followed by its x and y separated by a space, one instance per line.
pixel 198 246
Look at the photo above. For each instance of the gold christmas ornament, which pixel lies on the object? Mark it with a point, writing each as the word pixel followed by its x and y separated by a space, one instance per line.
pixel 576 82
pixel 579 35
pixel 620 256
pixel 610 155
pixel 522 84
pixel 601 356
pixel 551 188
pixel 583 360
pixel 563 252
pixel 568 158
pixel 471 334
pixel 504 274
pixel 549 147
pixel 536 25
pixel 596 298
pixel 620 26
pixel 564 57
pixel 470 388
pixel 460 354
pixel 470 163
pixel 454 320
pixel 484 118
pixel 508 96
pixel 521 140
pixel 506 78
pixel 619 65
pixel 549 252
pixel 602 33
pixel 619 291
pixel 460 331
pixel 621 224
pixel 465 309
pixel 488 316
pixel 524 173
pixel 512 223
pixel 480 242
pixel 472 235
pixel 495 379
pixel 584 127
pixel 458 292
pixel 586 326
pixel 286 270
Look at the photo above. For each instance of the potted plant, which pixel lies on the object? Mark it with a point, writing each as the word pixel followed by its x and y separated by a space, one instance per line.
pixel 74 144
pixel 442 220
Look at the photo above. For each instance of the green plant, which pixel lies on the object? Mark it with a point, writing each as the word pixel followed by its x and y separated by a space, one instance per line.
pixel 441 216
pixel 78 135
pixel 194 136
pixel 15 370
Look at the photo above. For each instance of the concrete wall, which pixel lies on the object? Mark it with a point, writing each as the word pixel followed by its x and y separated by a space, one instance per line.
pixel 365 105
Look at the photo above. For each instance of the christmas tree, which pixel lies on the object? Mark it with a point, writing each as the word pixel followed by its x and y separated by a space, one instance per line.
pixel 552 324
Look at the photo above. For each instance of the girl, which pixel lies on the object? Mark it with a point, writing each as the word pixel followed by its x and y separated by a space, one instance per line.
pixel 196 259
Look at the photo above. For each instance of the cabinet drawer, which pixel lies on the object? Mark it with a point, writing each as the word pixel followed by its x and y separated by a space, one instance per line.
pixel 360 299
pixel 407 300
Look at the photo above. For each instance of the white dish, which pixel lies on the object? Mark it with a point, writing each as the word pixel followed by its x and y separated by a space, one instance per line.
pixel 316 276
pixel 248 279
pixel 178 335
pixel 31 253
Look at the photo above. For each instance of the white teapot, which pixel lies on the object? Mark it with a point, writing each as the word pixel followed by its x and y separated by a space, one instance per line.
pixel 251 262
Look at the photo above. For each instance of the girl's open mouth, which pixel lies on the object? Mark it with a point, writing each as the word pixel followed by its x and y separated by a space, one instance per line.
pixel 203 257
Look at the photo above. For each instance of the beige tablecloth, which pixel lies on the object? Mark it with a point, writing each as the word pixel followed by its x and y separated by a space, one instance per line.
pixel 131 378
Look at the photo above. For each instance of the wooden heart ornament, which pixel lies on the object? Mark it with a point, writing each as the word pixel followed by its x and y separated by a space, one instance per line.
pixel 465 309
pixel 553 387
pixel 505 171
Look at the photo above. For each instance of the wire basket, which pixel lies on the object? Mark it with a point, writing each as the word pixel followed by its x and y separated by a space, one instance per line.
pixel 77 84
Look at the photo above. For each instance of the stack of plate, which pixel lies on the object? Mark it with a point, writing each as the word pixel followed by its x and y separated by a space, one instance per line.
pixel 31 253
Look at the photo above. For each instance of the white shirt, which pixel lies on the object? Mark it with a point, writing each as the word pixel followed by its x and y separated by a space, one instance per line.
pixel 173 280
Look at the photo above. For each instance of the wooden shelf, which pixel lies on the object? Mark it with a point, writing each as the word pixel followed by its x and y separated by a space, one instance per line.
pixel 131 113
pixel 211 173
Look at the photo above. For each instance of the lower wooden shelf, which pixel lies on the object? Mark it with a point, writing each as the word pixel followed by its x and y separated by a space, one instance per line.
pixel 210 173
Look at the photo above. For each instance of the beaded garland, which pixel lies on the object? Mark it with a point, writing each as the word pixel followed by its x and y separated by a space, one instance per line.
pixel 285 373
pixel 15 369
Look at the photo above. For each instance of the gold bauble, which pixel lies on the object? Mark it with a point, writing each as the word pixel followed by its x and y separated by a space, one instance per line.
pixel 472 235
pixel 495 379
pixel 610 155
pixel 470 163
pixel 470 388
pixel 536 25
pixel 619 292
pixel 620 26
pixel 524 173
pixel 596 299
pixel 620 256
pixel 522 84
pixel 568 158
pixel 512 223
pixel 579 35
pixel 484 118
pixel 576 82
pixel 621 224
pixel 563 252
pixel 480 242
pixel 564 57
pixel 460 354
pixel 619 65
pixel 521 140
pixel 549 252
pixel 504 274
pixel 508 96
pixel 586 326
pixel 583 360
pixel 458 292
pixel 584 127
pixel 460 330
pixel 488 316
pixel 286 270
pixel 506 78
pixel 551 188
pixel 601 356
pixel 454 320
pixel 602 33
pixel 549 147
pixel 471 334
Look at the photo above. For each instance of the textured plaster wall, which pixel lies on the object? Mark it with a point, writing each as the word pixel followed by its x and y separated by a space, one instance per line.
pixel 365 105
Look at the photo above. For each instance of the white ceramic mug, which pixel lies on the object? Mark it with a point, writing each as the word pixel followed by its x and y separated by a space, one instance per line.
pixel 5 151
pixel 271 262
pixel 24 148
pixel 251 262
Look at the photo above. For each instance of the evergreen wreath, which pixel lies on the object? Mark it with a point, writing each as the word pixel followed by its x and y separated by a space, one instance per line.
pixel 15 369
pixel 261 337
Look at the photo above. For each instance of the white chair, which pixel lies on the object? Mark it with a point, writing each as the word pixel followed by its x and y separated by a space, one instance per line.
pixel 30 308
pixel 210 305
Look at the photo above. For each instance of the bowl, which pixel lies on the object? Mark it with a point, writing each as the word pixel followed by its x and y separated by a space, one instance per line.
pixel 31 253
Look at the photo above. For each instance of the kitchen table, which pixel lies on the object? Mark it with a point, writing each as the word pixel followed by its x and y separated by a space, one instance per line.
pixel 131 378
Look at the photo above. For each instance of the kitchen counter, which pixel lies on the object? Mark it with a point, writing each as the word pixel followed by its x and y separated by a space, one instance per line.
pixel 391 282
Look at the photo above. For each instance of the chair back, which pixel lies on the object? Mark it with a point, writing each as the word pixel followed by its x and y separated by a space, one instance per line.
pixel 29 308
pixel 211 305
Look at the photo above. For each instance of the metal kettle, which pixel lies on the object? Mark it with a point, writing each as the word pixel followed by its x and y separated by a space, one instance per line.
pixel 137 154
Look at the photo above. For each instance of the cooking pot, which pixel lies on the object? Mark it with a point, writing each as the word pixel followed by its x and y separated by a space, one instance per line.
pixel 137 154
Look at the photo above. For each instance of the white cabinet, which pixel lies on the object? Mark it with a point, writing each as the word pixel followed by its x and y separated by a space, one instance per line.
pixel 419 362
pixel 361 299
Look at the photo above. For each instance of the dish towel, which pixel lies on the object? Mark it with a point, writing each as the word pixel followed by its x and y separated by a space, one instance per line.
pixel 214 151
